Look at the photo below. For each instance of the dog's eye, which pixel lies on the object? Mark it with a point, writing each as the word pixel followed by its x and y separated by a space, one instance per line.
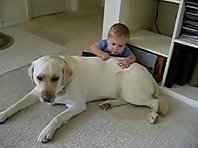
pixel 54 79
pixel 40 78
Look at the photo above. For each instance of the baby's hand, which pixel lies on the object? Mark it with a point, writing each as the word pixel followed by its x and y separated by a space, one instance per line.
pixel 124 63
pixel 105 56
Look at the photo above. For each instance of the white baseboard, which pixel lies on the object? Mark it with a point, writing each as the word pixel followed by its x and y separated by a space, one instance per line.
pixel 180 97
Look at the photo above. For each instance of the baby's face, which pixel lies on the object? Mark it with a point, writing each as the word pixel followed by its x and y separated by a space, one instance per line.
pixel 116 45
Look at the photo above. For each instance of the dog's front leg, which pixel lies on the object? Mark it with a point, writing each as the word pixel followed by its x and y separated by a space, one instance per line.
pixel 26 101
pixel 62 118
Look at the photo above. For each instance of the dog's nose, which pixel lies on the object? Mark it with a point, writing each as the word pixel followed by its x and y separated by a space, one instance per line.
pixel 47 96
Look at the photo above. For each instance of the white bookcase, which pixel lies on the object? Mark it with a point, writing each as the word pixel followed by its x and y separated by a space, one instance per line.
pixel 139 16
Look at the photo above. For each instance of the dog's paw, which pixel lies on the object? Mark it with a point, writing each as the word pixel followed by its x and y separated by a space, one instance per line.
pixel 46 135
pixel 105 106
pixel 3 117
pixel 152 117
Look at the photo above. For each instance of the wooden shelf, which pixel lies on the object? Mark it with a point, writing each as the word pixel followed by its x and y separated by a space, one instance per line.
pixel 152 42
pixel 187 41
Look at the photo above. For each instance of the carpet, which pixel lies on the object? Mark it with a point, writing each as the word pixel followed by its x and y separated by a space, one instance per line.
pixel 119 127
pixel 26 48
pixel 5 41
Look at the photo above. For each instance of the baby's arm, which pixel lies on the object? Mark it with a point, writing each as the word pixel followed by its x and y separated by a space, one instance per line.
pixel 126 62
pixel 95 48
pixel 131 58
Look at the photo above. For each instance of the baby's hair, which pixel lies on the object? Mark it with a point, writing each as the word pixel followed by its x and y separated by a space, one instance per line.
pixel 119 30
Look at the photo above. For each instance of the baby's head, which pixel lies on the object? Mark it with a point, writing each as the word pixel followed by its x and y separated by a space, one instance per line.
pixel 118 37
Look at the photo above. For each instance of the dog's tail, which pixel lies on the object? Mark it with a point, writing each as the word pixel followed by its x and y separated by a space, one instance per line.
pixel 163 106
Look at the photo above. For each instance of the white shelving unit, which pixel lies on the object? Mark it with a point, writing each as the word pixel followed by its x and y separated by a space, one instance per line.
pixel 152 42
pixel 139 16
pixel 186 41
pixel 143 32
pixel 172 1
pixel 186 93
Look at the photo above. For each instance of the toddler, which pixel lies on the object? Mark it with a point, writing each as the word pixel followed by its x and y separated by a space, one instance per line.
pixel 115 45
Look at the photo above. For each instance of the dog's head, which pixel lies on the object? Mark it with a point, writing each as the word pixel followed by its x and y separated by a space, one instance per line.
pixel 51 74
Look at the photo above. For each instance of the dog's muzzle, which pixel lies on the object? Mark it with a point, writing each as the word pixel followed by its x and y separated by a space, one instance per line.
pixel 47 96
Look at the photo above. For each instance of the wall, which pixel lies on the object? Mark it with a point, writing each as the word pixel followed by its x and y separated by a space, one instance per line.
pixel 137 14
pixel 89 4
pixel 166 18
pixel 46 7
pixel 12 12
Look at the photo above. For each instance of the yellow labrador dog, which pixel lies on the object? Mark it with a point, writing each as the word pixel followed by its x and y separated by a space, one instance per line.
pixel 74 81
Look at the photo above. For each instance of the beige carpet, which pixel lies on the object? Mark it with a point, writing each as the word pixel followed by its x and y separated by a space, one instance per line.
pixel 120 127
pixel 26 48
pixel 74 30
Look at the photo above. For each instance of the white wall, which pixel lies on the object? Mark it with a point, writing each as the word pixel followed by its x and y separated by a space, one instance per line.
pixel 89 4
pixel 140 14
pixel 46 7
pixel 72 5
pixel 13 11
pixel 166 18
pixel 137 14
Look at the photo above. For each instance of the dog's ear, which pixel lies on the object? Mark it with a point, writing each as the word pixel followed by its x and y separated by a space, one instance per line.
pixel 67 74
pixel 30 72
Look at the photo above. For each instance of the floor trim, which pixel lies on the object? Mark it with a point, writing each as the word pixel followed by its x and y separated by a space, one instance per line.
pixel 180 97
